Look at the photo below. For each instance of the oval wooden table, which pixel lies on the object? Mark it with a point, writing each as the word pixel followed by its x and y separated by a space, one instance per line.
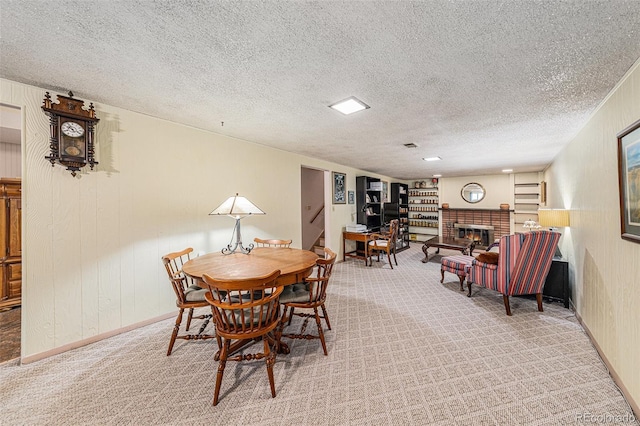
pixel 294 265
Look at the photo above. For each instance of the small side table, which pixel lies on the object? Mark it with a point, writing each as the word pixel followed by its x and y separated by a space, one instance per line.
pixel 362 245
pixel 556 287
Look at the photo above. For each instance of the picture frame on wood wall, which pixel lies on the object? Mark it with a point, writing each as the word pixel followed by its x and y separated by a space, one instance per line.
pixel 339 188
pixel 629 181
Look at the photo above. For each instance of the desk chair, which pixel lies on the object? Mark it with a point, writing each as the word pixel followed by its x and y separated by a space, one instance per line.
pixel 385 242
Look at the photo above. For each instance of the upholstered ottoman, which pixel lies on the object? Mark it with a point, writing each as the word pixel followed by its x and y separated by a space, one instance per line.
pixel 456 265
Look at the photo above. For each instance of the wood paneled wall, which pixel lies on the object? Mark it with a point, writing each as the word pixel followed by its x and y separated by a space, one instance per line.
pixel 92 244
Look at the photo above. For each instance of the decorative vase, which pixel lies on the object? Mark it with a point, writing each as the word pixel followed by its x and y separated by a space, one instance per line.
pixel 504 206
pixel 445 205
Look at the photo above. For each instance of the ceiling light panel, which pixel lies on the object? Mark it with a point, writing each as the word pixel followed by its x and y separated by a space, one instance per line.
pixel 349 105
pixel 432 158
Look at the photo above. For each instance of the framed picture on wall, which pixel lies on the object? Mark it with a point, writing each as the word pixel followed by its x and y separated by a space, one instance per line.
pixel 629 181
pixel 339 188
pixel 352 197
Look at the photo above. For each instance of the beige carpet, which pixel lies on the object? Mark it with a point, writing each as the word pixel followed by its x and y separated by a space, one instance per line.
pixel 404 350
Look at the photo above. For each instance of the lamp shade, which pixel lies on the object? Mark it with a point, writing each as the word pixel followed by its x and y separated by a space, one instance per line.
pixel 553 218
pixel 237 207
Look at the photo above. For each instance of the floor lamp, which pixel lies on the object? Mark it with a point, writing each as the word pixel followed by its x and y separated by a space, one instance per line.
pixel 236 207
pixel 554 219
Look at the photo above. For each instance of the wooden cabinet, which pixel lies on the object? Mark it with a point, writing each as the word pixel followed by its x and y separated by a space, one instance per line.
pixel 10 242
pixel 369 202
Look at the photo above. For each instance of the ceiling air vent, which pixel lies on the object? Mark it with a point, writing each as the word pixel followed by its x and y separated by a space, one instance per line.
pixel 410 145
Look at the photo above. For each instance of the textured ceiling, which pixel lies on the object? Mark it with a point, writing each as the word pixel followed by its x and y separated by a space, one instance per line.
pixel 485 85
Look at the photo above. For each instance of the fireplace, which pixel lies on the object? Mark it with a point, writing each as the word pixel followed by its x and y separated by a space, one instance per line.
pixel 481 234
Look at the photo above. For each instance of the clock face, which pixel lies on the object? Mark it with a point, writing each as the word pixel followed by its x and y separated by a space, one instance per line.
pixel 72 129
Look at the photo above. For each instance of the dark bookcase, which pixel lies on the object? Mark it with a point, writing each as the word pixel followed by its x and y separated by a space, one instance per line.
pixel 398 208
pixel 369 202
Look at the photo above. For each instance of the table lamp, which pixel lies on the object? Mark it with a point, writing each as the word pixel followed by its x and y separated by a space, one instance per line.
pixel 554 219
pixel 530 225
pixel 237 207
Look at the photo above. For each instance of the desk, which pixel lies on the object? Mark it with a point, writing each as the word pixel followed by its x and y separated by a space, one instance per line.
pixel 294 265
pixel 465 246
pixel 362 237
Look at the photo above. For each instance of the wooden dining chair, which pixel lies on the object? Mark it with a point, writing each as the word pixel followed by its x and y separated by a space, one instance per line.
pixel 188 296
pixel 245 311
pixel 385 242
pixel 272 243
pixel 310 294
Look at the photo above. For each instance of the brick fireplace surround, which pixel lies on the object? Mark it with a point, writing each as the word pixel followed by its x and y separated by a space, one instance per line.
pixel 499 219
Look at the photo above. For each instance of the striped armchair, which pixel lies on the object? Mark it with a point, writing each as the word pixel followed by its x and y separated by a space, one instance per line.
pixel 522 268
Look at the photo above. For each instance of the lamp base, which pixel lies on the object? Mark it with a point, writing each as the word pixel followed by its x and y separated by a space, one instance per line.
pixel 237 248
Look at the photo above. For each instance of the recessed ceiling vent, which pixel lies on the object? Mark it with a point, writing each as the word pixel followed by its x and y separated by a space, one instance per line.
pixel 410 145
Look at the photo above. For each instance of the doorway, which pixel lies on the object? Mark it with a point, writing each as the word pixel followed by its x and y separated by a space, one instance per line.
pixel 313 209
pixel 10 231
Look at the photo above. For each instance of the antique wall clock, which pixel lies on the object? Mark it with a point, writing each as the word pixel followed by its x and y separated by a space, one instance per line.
pixel 72 130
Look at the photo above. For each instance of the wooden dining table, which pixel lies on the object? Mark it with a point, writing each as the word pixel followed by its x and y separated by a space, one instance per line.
pixel 294 265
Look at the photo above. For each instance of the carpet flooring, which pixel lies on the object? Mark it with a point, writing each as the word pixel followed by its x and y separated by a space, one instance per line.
pixel 404 350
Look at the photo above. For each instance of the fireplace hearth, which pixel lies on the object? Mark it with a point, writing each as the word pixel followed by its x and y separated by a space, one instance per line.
pixel 482 235
pixel 499 219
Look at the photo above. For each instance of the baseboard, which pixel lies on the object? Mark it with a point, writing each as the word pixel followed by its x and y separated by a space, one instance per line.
pixel 64 348
pixel 612 371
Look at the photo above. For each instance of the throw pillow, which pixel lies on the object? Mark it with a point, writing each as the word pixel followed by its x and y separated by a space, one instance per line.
pixel 488 257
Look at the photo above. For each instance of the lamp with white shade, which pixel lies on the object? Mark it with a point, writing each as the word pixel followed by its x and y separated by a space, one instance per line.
pixel 237 207
pixel 554 219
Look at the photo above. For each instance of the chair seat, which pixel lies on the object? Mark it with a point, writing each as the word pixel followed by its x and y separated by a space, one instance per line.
pixel 456 264
pixel 379 243
pixel 195 294
pixel 491 266
pixel 295 293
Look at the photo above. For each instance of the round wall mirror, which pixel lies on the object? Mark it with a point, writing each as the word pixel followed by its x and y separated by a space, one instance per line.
pixel 472 192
